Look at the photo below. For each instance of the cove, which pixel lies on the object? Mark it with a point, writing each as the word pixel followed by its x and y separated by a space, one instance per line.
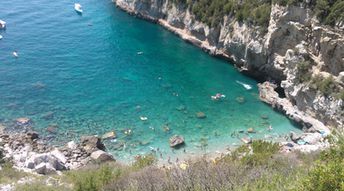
pixel 83 76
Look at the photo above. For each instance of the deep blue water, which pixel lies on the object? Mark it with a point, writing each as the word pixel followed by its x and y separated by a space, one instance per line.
pixel 85 70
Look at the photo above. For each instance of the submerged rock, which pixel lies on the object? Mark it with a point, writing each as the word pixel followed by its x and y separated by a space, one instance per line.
pixel 52 129
pixel 181 108
pixel 109 135
pixel 48 116
pixel 23 121
pixel 176 141
pixel 251 130
pixel 240 99
pixel 200 115
pixel 264 117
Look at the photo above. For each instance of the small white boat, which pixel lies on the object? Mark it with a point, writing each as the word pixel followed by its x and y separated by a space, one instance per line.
pixel 2 24
pixel 218 96
pixel 246 86
pixel 143 118
pixel 77 8
pixel 15 54
pixel 1 37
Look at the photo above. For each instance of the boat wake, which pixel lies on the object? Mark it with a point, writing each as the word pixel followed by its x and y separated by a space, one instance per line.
pixel 246 86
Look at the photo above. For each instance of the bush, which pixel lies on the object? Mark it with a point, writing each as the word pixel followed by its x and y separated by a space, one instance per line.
pixel 262 152
pixel 144 161
pixel 328 173
pixel 328 176
pixel 340 95
pixel 93 179
pixel 326 86
pixel 303 71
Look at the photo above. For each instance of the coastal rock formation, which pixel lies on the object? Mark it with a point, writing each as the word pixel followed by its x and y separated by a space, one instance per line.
pixel 304 57
pixel 29 153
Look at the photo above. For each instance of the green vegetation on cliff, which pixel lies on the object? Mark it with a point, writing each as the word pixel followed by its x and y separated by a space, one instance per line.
pixel 257 12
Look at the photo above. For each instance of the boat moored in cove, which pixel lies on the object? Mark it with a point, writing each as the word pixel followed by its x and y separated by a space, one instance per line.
pixel 2 24
pixel 77 8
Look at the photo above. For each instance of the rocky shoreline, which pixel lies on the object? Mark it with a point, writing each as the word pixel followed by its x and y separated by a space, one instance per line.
pixel 28 152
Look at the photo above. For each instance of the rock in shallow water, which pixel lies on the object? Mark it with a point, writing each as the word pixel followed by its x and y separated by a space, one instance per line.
pixel 109 135
pixel 200 115
pixel 176 141
pixel 23 121
pixel 92 143
pixel 251 130
pixel 48 116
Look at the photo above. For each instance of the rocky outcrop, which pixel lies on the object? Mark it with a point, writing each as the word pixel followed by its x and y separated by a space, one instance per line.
pixel 268 94
pixel 29 153
pixel 293 36
pixel 176 141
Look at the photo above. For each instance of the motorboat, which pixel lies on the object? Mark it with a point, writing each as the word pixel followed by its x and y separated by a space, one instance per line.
pixel 1 37
pixel 2 24
pixel 77 8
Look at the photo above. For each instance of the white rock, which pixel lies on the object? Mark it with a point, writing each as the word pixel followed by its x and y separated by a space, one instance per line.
pixel 72 145
pixel 45 168
pixel 101 156
pixel 59 156
pixel 38 159
pixel 312 138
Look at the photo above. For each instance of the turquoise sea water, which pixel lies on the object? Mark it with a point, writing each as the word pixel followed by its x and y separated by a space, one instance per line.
pixel 84 71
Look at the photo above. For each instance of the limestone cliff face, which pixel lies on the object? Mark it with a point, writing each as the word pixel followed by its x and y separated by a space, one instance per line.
pixel 293 35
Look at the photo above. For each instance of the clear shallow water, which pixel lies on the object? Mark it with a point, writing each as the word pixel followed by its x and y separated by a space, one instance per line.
pixel 85 70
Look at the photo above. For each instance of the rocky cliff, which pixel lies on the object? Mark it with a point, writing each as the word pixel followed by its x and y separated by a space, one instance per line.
pixel 304 57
